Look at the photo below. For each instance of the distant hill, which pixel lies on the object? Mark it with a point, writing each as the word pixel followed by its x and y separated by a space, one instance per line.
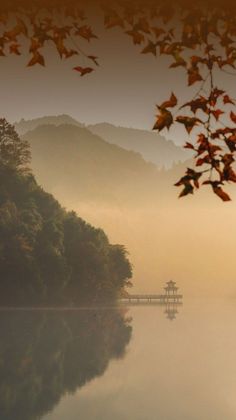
pixel 27 125
pixel 75 164
pixel 153 147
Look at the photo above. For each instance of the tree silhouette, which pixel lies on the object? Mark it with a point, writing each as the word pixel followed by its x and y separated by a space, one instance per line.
pixel 14 152
pixel 199 38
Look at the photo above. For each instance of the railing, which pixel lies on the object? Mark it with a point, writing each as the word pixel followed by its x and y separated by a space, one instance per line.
pixel 153 297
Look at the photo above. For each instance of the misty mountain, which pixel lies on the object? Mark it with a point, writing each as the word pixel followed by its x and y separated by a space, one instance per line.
pixel 153 147
pixel 75 164
pixel 27 125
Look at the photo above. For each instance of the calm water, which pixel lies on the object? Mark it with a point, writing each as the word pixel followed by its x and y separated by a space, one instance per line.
pixel 133 364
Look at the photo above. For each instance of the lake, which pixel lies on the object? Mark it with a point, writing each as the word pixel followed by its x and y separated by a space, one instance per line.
pixel 133 363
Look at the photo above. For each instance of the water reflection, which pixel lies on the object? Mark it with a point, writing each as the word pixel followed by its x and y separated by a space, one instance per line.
pixel 171 310
pixel 43 356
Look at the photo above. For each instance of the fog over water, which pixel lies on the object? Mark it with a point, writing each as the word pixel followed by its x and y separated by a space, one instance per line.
pixel 191 241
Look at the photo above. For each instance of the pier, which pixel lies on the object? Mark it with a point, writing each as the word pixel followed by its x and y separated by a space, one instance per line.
pixel 152 298
pixel 170 295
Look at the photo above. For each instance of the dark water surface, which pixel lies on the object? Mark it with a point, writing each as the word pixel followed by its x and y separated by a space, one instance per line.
pixel 120 364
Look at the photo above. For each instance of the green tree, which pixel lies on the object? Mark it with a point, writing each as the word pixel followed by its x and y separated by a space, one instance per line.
pixel 14 152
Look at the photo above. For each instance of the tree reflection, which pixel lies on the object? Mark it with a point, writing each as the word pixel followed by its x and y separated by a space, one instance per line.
pixel 43 356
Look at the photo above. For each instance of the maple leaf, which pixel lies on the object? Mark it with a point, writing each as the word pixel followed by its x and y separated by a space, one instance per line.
pixel 228 100
pixel 217 189
pixel 217 113
pixel 36 59
pixel 85 32
pixel 113 21
pixel 14 49
pixel 164 119
pixel 233 116
pixel 83 70
pixel 189 146
pixel 70 53
pixel 194 76
pixel 179 61
pixel 94 59
pixel 35 45
pixel 189 122
pixel 142 26
pixel 188 189
pixel 198 103
pixel 150 48
pixel 138 38
pixel 171 103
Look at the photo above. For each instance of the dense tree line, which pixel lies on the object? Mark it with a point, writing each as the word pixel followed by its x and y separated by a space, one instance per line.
pixel 47 255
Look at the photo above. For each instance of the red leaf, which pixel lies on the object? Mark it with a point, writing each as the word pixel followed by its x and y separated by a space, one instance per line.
pixel 83 70
pixel 233 116
pixel 36 59
pixel 164 119
pixel 228 100
pixel 172 102
pixel 189 122
pixel 217 113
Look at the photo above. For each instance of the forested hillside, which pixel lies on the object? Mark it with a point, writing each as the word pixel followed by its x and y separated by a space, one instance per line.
pixel 48 255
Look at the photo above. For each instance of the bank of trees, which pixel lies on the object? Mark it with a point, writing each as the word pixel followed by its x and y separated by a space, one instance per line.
pixel 47 255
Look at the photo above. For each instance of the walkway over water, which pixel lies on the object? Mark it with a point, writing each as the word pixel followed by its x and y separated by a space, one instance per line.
pixel 163 298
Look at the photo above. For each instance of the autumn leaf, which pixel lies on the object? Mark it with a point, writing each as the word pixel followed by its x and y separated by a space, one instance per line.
pixel 194 76
pixel 228 100
pixel 150 48
pixel 35 45
pixel 171 103
pixel 164 119
pixel 189 146
pixel 218 190
pixel 188 122
pixel 233 116
pixel 188 189
pixel 196 104
pixel 114 21
pixel 217 113
pixel 83 70
pixel 138 38
pixel 142 25
pixel 14 49
pixel 179 61
pixel 36 59
pixel 94 59
pixel 85 32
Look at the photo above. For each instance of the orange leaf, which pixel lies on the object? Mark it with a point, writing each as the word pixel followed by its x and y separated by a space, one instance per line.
pixel 189 122
pixel 217 113
pixel 150 48
pixel 228 100
pixel 164 119
pixel 83 70
pixel 172 102
pixel 36 59
pixel 233 116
